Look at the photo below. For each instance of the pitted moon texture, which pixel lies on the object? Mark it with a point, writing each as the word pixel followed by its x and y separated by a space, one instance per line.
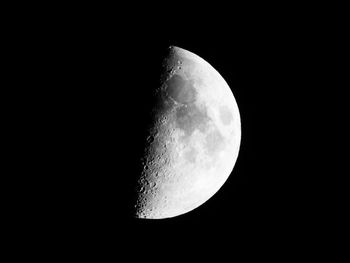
pixel 195 139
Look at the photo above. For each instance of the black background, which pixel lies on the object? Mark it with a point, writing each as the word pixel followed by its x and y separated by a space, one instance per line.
pixel 95 75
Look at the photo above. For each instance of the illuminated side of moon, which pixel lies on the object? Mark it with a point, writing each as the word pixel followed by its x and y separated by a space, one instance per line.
pixel 194 141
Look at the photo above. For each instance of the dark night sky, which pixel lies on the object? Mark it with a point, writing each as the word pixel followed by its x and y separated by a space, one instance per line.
pixel 100 98
pixel 81 75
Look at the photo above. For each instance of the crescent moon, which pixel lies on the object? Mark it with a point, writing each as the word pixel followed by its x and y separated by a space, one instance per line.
pixel 195 139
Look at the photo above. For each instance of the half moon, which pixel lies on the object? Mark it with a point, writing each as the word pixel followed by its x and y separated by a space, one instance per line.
pixel 194 141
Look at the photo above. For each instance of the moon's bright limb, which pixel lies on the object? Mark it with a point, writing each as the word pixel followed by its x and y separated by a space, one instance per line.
pixel 194 141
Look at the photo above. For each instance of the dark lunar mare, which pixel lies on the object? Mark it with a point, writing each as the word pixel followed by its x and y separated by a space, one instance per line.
pixel 180 89
pixel 179 86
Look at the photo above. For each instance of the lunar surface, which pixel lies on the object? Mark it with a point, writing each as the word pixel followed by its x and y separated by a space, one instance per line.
pixel 193 142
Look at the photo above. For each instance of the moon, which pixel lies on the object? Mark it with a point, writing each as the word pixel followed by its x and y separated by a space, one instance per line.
pixel 193 142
